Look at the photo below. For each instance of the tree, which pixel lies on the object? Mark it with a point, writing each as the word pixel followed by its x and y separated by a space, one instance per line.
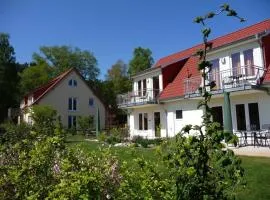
pixel 201 166
pixel 142 59
pixel 8 76
pixel 34 76
pixel 117 74
pixel 61 58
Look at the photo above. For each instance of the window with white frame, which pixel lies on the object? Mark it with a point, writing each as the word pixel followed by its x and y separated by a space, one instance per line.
pixel 72 103
pixel 143 121
pixel 72 121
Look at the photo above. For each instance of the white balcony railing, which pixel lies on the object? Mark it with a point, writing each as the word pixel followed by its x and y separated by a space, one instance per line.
pixel 226 79
pixel 139 97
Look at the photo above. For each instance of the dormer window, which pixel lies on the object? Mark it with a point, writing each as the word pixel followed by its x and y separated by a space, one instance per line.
pixel 72 83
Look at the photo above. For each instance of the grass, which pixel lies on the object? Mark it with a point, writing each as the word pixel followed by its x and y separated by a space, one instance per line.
pixel 257 169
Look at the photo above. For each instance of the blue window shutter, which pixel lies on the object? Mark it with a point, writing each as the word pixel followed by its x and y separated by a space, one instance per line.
pixel 74 83
pixel 70 82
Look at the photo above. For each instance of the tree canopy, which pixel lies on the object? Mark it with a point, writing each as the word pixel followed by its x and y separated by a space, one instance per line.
pixel 8 76
pixel 34 76
pixel 142 59
pixel 61 58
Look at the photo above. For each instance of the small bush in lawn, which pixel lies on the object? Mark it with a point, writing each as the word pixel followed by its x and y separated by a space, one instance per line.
pixel 102 137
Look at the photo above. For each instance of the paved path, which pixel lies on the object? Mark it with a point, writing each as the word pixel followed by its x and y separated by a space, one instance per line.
pixel 252 151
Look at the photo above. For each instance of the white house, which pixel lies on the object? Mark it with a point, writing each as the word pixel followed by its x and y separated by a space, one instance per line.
pixel 165 97
pixel 69 95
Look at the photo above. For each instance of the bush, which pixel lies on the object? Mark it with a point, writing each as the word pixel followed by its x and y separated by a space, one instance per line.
pixel 86 123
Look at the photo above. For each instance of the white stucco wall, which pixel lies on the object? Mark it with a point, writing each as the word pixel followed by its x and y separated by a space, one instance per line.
pixel 191 115
pixel 58 98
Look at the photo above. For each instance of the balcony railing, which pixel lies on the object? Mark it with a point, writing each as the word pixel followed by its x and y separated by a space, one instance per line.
pixel 226 79
pixel 139 97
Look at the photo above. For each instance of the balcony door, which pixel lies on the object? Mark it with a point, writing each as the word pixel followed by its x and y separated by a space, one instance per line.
pixel 236 64
pixel 215 75
pixel 156 86
pixel 249 63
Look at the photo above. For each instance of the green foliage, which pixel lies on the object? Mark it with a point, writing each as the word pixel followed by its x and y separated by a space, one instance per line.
pixel 34 76
pixel 144 142
pixel 197 160
pixel 142 60
pixel 9 79
pixel 201 168
pixel 145 180
pixel 86 123
pixel 61 58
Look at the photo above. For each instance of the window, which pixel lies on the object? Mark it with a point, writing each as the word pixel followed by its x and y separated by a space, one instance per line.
pixel 143 121
pixel 214 74
pixel 91 101
pixel 236 65
pixel 72 83
pixel 254 116
pixel 140 122
pixel 72 103
pixel 240 116
pixel 144 87
pixel 72 121
pixel 139 88
pixel 248 61
pixel 179 114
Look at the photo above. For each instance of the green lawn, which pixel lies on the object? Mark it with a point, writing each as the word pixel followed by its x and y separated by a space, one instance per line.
pixel 257 169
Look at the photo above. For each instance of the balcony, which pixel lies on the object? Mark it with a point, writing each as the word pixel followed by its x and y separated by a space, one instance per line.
pixel 241 78
pixel 137 98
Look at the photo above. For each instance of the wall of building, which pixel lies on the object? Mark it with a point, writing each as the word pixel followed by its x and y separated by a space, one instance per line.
pixel 150 110
pixel 191 115
pixel 224 55
pixel 58 98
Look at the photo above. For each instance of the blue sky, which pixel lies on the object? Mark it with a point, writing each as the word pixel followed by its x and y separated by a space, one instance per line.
pixel 112 29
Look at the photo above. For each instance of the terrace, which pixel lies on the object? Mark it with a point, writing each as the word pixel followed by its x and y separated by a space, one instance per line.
pixel 138 97
pixel 234 79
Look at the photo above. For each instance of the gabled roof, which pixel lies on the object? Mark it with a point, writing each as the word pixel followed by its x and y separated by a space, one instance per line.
pixel 176 88
pixel 43 90
pixel 218 42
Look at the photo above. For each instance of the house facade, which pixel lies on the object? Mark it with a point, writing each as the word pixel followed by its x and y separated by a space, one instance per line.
pixel 69 95
pixel 165 97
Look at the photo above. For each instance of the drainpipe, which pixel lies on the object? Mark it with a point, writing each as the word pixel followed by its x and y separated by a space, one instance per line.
pixel 227 113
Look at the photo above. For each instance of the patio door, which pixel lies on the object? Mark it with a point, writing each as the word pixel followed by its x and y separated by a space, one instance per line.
pixel 217 115
pixel 157 124
pixel 241 117
pixel 254 117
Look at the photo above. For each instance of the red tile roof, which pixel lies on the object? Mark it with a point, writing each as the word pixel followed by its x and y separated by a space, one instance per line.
pixel 218 42
pixel 176 88
pixel 39 92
